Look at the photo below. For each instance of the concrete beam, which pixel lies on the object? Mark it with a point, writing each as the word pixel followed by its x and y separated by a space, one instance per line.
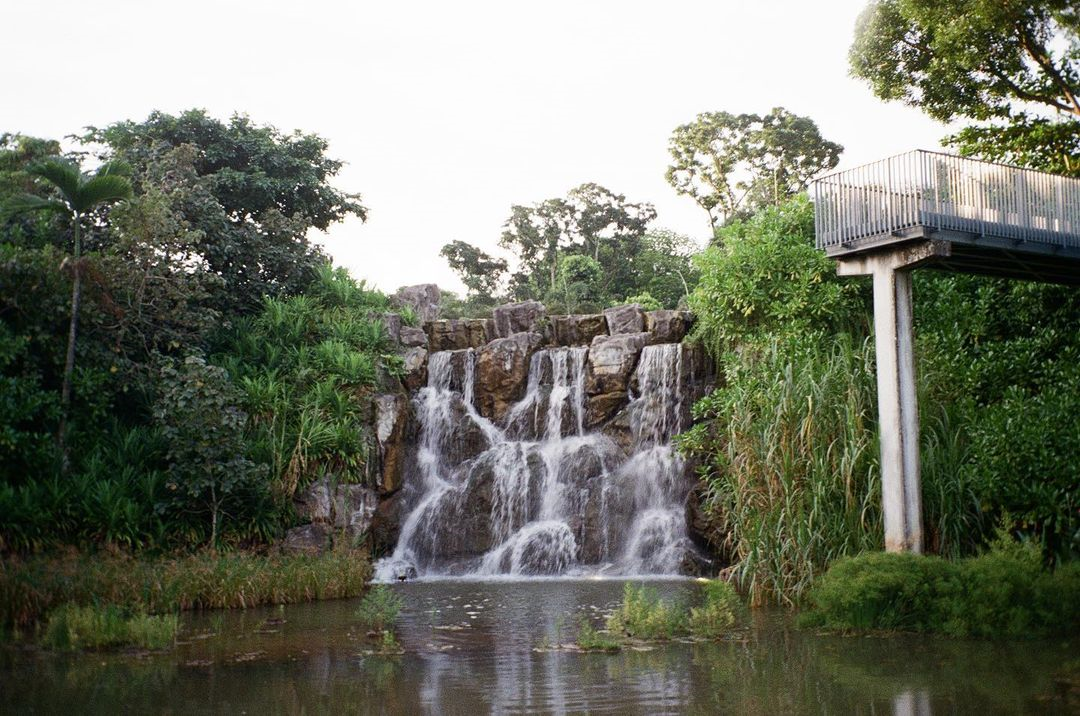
pixel 904 256
pixel 898 409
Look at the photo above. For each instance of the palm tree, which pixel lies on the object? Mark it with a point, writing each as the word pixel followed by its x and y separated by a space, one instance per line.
pixel 79 193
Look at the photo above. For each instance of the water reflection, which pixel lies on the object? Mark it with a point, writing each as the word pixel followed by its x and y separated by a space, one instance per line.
pixel 471 648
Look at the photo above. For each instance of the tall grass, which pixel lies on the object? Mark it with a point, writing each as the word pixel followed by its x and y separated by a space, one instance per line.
pixel 379 608
pixel 31 587
pixel 644 615
pixel 73 627
pixel 789 451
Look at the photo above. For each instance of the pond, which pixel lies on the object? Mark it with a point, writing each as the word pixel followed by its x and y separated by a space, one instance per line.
pixel 474 647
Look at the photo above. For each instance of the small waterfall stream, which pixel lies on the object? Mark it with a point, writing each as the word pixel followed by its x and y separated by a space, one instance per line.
pixel 539 494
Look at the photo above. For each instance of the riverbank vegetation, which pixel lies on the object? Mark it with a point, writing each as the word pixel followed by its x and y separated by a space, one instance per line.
pixel 220 362
pixel 787 443
pixel 33 587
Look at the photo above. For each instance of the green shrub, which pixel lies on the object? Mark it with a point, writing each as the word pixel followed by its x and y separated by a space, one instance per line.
pixel 716 615
pixel 1005 592
pixel 91 627
pixel 880 590
pixel 379 608
pixel 644 615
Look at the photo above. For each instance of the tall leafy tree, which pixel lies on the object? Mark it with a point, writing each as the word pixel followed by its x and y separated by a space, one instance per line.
pixel 479 271
pixel 590 220
pixel 77 193
pixel 733 164
pixel 1011 67
pixel 253 195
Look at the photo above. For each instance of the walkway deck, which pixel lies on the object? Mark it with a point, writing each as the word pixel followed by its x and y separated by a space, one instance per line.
pixel 998 219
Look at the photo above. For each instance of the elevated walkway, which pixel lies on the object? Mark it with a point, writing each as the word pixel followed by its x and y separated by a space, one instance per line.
pixel 996 219
pixel 945 212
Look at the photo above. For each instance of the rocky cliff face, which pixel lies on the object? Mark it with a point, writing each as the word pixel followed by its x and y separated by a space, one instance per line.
pixel 541 444
pixel 526 444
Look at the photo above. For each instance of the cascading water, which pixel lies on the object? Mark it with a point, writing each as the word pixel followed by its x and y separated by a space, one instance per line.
pixel 539 494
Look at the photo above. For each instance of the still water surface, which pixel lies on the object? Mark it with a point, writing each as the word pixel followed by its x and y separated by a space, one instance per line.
pixel 471 648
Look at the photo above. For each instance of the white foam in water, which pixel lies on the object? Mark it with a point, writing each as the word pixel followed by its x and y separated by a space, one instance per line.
pixel 551 482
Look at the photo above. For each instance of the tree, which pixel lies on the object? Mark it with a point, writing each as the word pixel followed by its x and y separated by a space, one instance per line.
pixel 665 268
pixel 204 428
pixel 590 220
pixel 1012 66
pixel 79 193
pixel 734 164
pixel 479 271
pixel 253 195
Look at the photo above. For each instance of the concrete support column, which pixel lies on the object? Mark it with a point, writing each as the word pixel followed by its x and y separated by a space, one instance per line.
pixel 898 409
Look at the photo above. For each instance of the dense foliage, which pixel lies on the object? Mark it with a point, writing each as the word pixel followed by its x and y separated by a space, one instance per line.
pixel 1005 592
pixel 577 254
pixel 787 443
pixel 220 363
pixel 1013 68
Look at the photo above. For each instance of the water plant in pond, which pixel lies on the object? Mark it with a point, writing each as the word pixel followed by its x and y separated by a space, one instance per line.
pixel 589 638
pixel 92 627
pixel 716 615
pixel 388 644
pixel 644 615
pixel 379 608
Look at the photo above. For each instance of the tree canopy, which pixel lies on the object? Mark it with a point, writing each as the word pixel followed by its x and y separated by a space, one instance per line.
pixel 734 164
pixel 250 194
pixel 1013 67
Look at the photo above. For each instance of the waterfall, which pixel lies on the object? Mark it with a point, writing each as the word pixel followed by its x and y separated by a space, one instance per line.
pixel 539 494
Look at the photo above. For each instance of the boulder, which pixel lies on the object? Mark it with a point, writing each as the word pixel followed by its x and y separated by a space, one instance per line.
pixel 665 326
pixel 578 330
pixel 415 364
pixel 502 371
pixel 392 325
pixel 611 362
pixel 478 331
pixel 311 539
pixel 524 317
pixel 458 334
pixel 625 319
pixel 391 417
pixel 444 336
pixel 354 506
pixel 315 503
pixel 386 523
pixel 600 408
pixel 422 298
pixel 411 337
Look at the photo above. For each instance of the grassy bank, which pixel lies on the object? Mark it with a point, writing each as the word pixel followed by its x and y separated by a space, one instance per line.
pixel 32 587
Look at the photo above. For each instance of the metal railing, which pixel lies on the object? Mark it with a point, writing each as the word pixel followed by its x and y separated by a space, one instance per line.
pixel 947 193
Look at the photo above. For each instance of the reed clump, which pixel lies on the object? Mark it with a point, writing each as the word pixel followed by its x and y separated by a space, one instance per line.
pixel 379 608
pixel 643 615
pixel 589 638
pixel 71 626
pixel 31 587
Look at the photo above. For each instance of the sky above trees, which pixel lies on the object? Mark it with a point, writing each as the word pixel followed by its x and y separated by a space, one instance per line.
pixel 447 114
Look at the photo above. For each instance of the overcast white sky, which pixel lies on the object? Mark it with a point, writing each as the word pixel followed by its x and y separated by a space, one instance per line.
pixel 446 113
